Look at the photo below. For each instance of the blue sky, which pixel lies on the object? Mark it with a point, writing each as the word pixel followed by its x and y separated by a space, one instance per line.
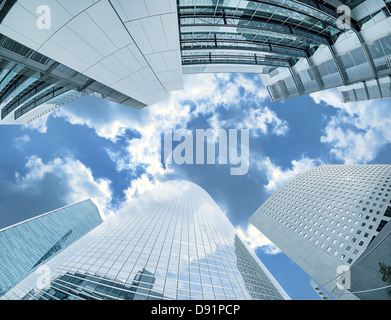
pixel 110 153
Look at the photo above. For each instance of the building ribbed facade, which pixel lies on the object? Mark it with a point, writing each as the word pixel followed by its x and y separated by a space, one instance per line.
pixel 29 244
pixel 173 242
pixel 328 219
pixel 136 54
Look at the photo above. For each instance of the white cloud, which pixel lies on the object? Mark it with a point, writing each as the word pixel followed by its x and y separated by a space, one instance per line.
pixel 265 120
pixel 201 96
pixel 351 146
pixel 359 130
pixel 255 239
pixel 138 187
pixel 39 124
pixel 277 177
pixel 329 97
pixel 20 142
pixel 71 174
pixel 206 91
pixel 260 120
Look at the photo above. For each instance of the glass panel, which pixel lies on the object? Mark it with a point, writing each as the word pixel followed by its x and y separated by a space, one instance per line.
pixel 183 216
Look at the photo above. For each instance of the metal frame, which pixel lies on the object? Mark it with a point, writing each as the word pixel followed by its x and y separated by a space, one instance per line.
pixel 339 67
pixel 227 20
pixel 197 17
pixel 286 29
pixel 313 5
pixel 222 18
pixel 233 59
pixel 353 27
pixel 265 47
pixel 316 74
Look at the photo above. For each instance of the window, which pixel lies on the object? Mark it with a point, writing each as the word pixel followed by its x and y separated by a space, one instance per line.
pixel 388 212
pixel 381 225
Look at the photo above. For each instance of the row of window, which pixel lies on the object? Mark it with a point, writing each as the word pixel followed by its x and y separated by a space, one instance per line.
pixel 334 211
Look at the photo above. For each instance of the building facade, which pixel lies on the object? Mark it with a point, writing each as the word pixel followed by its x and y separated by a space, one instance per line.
pixel 355 59
pixel 27 245
pixel 366 275
pixel 125 53
pixel 330 220
pixel 135 54
pixel 323 295
pixel 173 242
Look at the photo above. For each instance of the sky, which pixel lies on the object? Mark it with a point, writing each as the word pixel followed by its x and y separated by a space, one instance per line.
pixel 99 150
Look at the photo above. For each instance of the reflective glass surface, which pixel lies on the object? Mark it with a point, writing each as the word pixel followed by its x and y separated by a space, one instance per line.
pixel 31 243
pixel 171 243
pixel 255 25
pixel 283 33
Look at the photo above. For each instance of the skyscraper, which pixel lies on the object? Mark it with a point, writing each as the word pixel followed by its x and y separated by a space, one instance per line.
pixel 333 222
pixel 116 50
pixel 135 53
pixel 29 244
pixel 173 242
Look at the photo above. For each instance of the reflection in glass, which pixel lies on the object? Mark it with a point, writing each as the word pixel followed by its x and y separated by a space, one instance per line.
pixel 27 245
pixel 171 243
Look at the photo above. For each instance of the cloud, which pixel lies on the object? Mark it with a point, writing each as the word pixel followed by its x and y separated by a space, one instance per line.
pixel 277 177
pixel 138 187
pixel 352 146
pixel 39 124
pixel 20 142
pixel 72 176
pixel 260 120
pixel 140 130
pixel 255 239
pixel 330 97
pixel 358 131
pixel 264 120
pixel 205 92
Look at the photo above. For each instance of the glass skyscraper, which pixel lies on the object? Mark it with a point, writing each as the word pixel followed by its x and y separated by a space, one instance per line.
pixel 136 52
pixel 333 221
pixel 173 242
pixel 29 244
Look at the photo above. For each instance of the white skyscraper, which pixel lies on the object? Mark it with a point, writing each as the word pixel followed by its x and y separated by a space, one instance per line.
pixel 136 52
pixel 171 243
pixel 328 219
